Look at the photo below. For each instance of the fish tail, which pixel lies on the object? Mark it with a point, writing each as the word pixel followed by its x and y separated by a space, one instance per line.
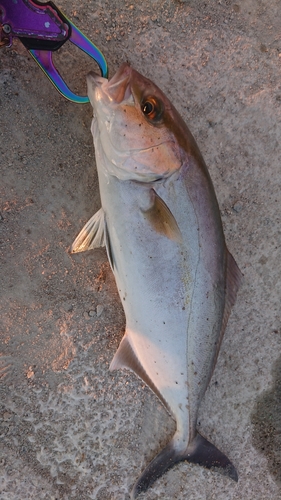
pixel 200 452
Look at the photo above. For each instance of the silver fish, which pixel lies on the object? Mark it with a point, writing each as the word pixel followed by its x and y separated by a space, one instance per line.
pixel 161 225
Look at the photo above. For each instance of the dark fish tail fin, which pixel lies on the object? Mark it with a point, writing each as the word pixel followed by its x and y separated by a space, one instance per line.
pixel 199 452
pixel 204 453
pixel 155 469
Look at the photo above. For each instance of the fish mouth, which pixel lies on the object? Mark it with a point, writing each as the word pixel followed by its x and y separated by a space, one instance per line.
pixel 118 88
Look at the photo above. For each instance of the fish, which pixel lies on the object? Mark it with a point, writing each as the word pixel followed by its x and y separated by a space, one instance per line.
pixel 160 223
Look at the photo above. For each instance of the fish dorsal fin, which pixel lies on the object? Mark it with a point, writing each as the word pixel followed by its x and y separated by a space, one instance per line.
pixel 233 281
pixel 161 218
pixel 125 357
pixel 92 235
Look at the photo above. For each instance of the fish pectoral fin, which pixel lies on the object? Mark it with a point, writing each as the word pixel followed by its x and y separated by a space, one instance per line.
pixel 161 218
pixel 125 357
pixel 92 235
pixel 200 452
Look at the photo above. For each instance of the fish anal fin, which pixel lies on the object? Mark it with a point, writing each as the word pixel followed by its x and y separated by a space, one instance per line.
pixel 92 235
pixel 200 452
pixel 161 218
pixel 125 357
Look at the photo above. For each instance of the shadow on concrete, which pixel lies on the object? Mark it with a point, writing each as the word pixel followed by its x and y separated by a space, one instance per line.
pixel 266 420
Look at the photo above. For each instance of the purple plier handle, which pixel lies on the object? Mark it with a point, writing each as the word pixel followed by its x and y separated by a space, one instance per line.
pixel 42 28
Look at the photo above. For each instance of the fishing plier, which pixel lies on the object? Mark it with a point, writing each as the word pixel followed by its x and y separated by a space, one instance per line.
pixel 43 28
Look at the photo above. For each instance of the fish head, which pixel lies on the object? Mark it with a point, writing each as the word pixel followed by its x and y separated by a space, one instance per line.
pixel 136 126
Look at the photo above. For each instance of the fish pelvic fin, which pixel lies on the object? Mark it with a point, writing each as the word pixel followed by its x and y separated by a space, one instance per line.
pixel 161 218
pixel 200 451
pixel 92 235
pixel 125 357
pixel 109 247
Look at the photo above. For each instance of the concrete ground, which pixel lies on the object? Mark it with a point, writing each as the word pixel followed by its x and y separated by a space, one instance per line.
pixel 69 428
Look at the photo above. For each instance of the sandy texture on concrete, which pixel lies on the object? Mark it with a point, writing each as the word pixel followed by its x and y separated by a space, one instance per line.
pixel 69 428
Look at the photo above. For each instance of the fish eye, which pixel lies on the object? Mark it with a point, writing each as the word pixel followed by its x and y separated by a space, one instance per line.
pixel 152 108
pixel 148 108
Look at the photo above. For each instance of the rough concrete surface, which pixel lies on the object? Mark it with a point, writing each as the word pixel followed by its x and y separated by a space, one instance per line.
pixel 69 428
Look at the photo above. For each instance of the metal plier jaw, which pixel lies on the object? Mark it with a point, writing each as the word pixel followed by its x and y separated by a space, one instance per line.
pixel 43 28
